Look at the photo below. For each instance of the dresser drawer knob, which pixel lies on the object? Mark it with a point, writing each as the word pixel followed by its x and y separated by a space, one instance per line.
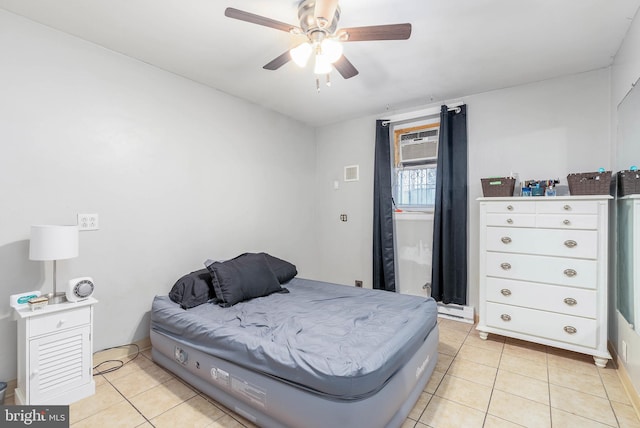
pixel 505 240
pixel 506 317
pixel 570 273
pixel 570 329
pixel 570 243
pixel 510 207
pixel 567 207
pixel 510 220
pixel 505 266
pixel 571 301
pixel 505 292
pixel 566 222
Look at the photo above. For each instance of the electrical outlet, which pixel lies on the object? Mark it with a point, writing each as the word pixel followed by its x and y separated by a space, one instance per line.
pixel 88 222
pixel 358 283
pixel 343 217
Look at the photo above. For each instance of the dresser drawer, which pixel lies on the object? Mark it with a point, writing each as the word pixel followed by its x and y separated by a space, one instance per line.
pixel 567 221
pixel 515 206
pixel 551 270
pixel 549 325
pixel 554 298
pixel 567 207
pixel 58 321
pixel 511 220
pixel 551 242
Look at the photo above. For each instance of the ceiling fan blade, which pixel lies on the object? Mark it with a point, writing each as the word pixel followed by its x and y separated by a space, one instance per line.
pixel 345 68
pixel 278 62
pixel 325 10
pixel 260 20
pixel 376 32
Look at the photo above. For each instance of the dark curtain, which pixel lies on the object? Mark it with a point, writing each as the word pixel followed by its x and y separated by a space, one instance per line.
pixel 449 270
pixel 384 277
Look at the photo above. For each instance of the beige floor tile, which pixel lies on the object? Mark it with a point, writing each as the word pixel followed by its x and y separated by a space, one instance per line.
pixel 582 404
pixel 613 386
pixel 572 361
pixel 526 344
pixel 479 355
pixel 409 423
pixel 132 366
pixel 492 343
pixel 119 415
pixel 195 412
pixel 495 422
pixel 145 425
pixel 576 380
pixel 434 382
pixel 141 380
pixel 161 398
pixel 444 361
pixel 474 372
pixel 563 419
pixel 105 397
pixel 519 410
pixel 227 421
pixel 420 405
pixel 526 350
pixel 442 413
pixel 524 367
pixel 421 425
pixel 450 341
pixel 522 386
pixel 465 392
pixel 626 415
pixel 454 325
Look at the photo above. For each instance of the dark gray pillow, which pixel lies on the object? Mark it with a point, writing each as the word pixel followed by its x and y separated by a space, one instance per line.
pixel 283 270
pixel 242 278
pixel 193 289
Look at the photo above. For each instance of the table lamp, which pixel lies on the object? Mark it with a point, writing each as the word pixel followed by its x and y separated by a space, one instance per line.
pixel 53 242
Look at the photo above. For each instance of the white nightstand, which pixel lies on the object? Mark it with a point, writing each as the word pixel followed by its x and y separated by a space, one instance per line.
pixel 55 353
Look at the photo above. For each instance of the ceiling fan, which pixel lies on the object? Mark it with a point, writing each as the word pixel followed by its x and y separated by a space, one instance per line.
pixel 319 23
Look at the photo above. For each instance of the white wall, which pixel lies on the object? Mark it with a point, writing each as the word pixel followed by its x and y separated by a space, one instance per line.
pixel 178 172
pixel 541 130
pixel 625 72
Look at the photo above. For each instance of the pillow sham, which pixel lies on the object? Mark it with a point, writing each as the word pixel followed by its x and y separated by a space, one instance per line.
pixel 193 289
pixel 242 278
pixel 283 270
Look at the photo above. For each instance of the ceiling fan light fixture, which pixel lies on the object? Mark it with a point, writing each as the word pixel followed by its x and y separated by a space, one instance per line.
pixel 332 49
pixel 301 53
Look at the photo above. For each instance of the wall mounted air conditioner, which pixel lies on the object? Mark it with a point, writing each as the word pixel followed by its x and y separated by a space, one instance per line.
pixel 419 147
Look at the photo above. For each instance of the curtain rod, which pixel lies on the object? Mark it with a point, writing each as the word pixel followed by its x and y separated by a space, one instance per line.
pixel 421 113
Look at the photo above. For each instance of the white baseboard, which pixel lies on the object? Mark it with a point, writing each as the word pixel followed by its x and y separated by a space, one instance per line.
pixel 456 312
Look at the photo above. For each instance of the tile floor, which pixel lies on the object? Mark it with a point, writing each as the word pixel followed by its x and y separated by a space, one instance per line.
pixel 495 383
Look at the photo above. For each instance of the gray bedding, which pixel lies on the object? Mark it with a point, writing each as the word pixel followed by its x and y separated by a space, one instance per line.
pixel 337 341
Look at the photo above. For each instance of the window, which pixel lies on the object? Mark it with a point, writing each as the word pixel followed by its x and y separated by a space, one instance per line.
pixel 414 181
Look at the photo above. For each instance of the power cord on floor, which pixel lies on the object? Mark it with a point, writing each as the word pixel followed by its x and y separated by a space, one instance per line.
pixel 119 363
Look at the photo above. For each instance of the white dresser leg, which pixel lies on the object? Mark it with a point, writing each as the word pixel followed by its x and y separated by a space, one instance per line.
pixel 483 335
pixel 600 362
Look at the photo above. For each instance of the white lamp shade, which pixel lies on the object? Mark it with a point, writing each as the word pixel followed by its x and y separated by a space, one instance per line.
pixel 332 50
pixel 53 242
pixel 323 66
pixel 301 53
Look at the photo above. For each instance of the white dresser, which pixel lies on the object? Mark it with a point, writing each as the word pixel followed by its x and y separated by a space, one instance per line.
pixel 55 353
pixel 543 271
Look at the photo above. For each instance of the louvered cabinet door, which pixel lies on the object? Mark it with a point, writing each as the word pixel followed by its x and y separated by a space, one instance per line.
pixel 58 363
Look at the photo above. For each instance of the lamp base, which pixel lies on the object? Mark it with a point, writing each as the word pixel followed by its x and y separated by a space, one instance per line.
pixel 56 298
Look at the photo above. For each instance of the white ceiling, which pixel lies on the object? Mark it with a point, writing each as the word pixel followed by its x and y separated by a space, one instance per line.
pixel 457 47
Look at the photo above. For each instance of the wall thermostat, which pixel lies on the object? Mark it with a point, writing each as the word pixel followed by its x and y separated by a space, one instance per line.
pixel 79 289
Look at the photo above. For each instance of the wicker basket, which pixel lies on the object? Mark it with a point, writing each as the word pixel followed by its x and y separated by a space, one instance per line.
pixel 498 186
pixel 628 183
pixel 589 183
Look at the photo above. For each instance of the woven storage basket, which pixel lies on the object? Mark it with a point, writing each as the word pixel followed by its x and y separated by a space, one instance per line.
pixel 498 186
pixel 589 183
pixel 628 183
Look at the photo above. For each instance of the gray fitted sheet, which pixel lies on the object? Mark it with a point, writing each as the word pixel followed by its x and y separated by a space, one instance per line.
pixel 333 340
